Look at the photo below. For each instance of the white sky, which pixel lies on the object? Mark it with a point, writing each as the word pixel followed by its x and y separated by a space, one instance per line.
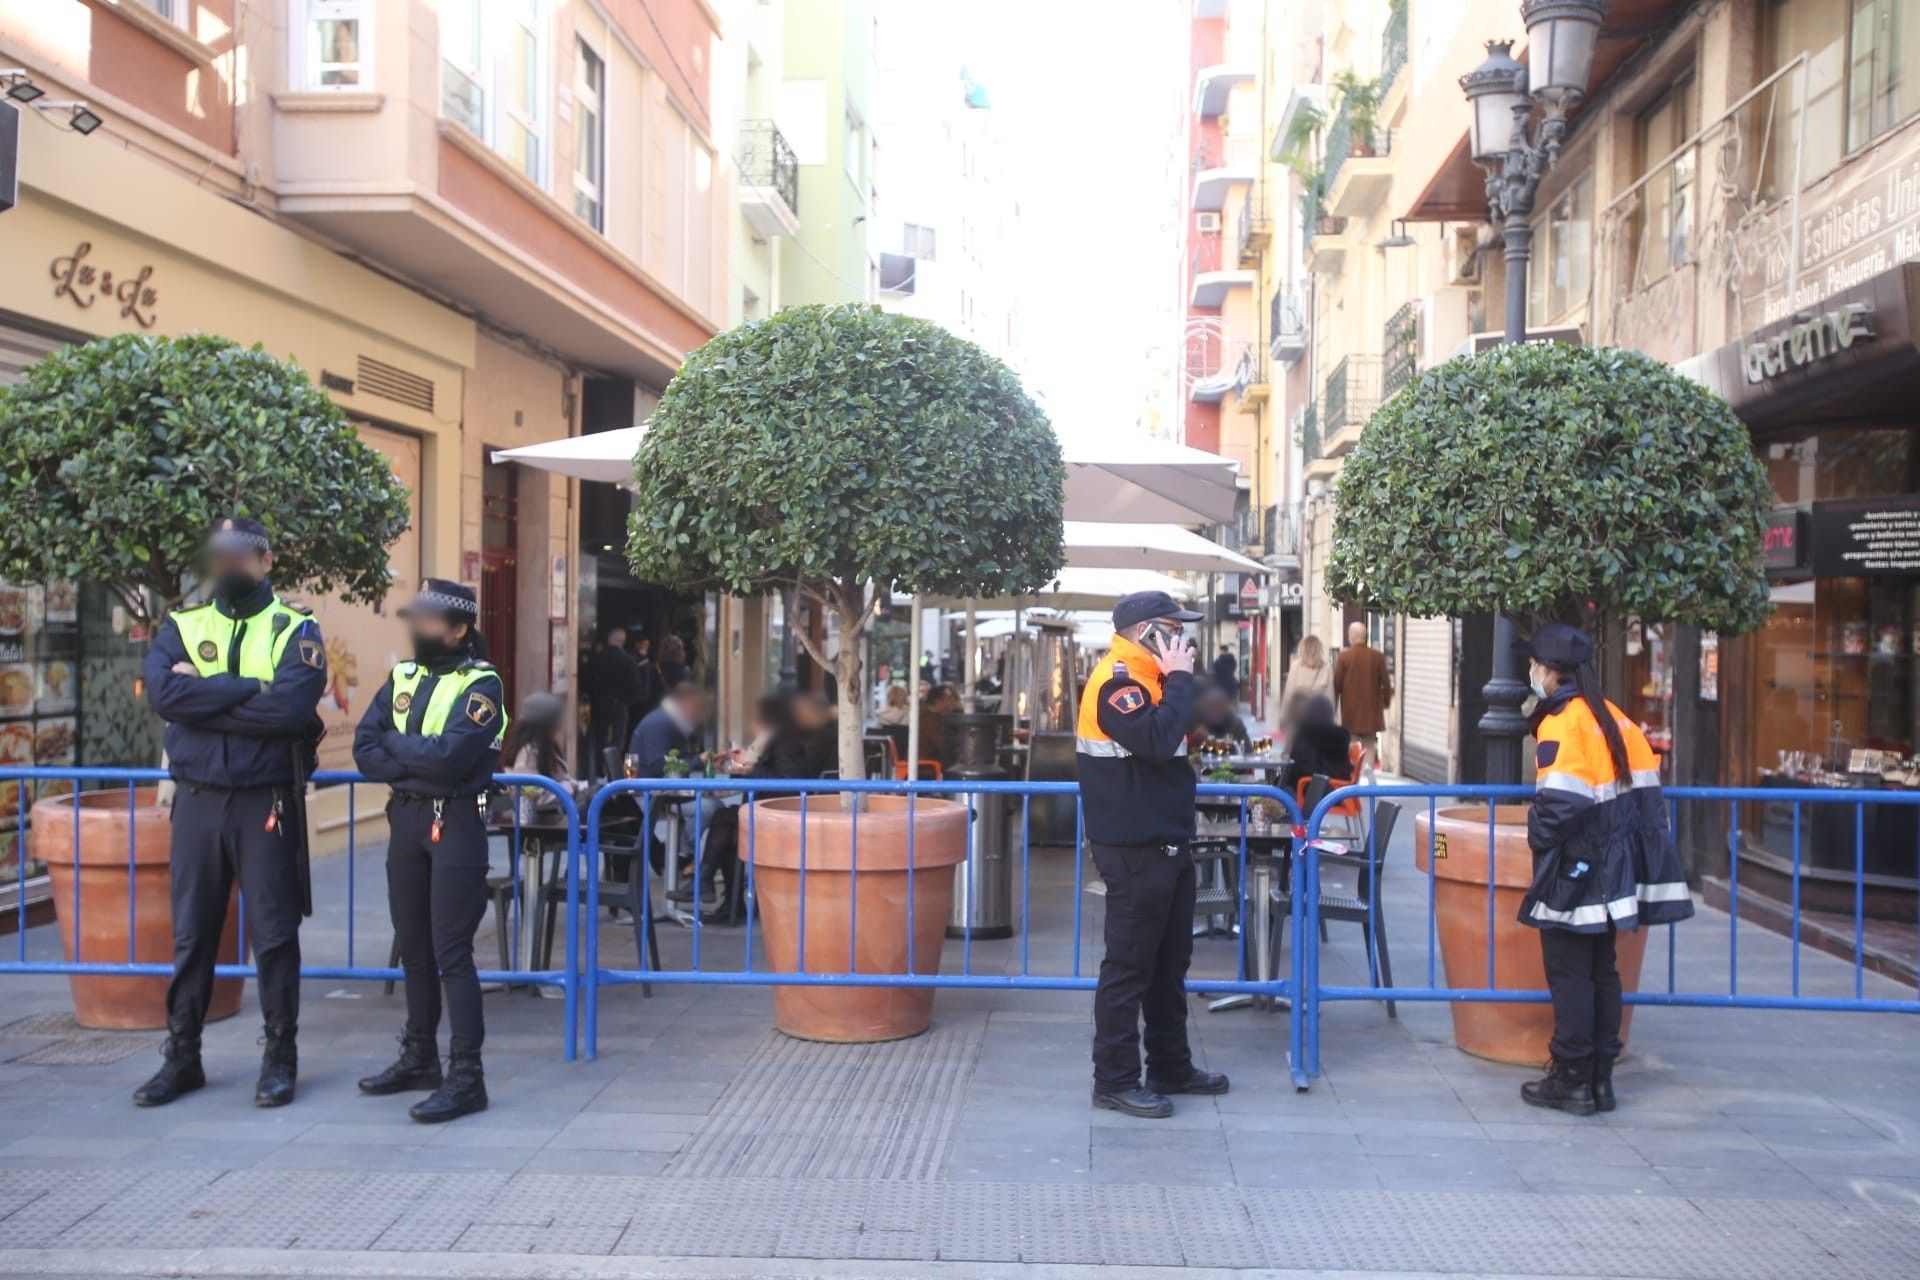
pixel 1089 97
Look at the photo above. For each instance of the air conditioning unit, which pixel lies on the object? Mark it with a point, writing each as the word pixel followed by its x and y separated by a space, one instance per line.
pixel 1209 223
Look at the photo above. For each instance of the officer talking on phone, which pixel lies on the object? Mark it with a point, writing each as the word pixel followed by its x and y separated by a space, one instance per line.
pixel 1137 789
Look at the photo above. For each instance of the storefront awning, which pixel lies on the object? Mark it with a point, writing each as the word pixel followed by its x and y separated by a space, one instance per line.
pixel 1162 547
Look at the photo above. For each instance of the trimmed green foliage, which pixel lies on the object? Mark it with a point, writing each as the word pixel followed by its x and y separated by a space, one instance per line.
pixel 119 455
pixel 1554 481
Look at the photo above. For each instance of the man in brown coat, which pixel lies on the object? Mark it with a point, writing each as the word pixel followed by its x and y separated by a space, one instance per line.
pixel 1361 683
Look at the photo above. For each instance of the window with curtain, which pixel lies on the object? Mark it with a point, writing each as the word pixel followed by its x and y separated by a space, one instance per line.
pixel 589 133
pixel 1666 201
pixel 1563 254
pixel 491 80
pixel 335 45
pixel 463 93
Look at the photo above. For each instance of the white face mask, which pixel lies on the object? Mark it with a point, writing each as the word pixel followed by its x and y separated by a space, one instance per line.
pixel 1536 682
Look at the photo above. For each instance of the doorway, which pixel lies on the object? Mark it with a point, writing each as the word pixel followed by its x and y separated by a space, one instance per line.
pixel 499 568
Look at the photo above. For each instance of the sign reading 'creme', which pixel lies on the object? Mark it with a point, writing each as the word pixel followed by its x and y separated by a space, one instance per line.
pixel 1806 342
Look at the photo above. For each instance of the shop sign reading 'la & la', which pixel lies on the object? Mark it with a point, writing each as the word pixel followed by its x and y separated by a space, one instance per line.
pixel 77 278
pixel 1807 341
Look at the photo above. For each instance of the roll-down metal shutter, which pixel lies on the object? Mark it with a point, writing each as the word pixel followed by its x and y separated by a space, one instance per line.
pixel 1426 693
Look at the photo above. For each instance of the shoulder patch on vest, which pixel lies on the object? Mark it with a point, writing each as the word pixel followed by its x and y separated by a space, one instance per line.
pixel 1545 753
pixel 1127 699
pixel 304 610
pixel 208 651
pixel 313 654
pixel 481 710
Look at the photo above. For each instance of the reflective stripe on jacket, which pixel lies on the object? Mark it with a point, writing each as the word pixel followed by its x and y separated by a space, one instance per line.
pixel 434 732
pixel 1602 850
pixel 1136 785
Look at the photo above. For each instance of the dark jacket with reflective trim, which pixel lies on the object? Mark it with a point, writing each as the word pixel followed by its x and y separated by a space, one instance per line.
pixel 460 760
pixel 1136 784
pixel 1602 851
pixel 230 730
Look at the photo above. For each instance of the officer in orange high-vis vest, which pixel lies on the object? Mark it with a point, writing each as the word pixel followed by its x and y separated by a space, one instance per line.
pixel 1137 789
pixel 1603 861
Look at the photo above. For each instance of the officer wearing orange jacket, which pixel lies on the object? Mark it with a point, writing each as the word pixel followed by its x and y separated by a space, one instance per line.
pixel 1603 861
pixel 1137 790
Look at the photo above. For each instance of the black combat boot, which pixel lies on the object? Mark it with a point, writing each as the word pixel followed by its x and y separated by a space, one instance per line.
pixel 464 1092
pixel 1195 1081
pixel 1567 1086
pixel 417 1068
pixel 279 1066
pixel 1602 1083
pixel 1144 1103
pixel 180 1073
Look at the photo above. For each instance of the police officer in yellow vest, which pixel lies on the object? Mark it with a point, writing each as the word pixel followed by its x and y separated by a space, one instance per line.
pixel 433 733
pixel 237 680
pixel 1137 790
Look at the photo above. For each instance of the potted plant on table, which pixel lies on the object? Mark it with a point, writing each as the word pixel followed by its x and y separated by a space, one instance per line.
pixel 116 457
pixel 1549 482
pixel 846 453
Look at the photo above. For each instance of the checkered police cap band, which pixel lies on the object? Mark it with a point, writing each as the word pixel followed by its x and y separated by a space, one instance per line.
pixel 238 540
pixel 449 603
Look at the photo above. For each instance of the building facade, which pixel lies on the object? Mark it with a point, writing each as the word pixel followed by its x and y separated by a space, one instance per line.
pixel 467 220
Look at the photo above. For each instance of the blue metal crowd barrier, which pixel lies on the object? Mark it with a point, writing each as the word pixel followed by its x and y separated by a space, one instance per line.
pixel 701 969
pixel 520 970
pixel 1314 992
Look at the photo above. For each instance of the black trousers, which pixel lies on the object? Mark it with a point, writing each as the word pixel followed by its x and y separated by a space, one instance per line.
pixel 609 730
pixel 720 854
pixel 1149 939
pixel 218 835
pixel 437 893
pixel 1585 984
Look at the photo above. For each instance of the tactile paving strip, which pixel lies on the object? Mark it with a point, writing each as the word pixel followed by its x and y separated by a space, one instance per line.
pixel 43 1024
pixel 805 1110
pixel 84 1051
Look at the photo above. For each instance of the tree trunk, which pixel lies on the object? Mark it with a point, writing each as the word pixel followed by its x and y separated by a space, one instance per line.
pixel 846 670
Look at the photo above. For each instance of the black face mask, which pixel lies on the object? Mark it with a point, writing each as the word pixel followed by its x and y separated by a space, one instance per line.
pixel 235 586
pixel 428 650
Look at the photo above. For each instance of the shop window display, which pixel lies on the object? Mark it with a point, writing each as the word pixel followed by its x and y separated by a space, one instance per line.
pixel 1647 684
pixel 1833 690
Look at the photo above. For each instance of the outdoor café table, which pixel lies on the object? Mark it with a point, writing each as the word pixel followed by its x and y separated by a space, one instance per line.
pixel 540 836
pixel 1269 854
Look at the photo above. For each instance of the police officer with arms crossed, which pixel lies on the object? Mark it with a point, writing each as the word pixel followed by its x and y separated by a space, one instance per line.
pixel 433 733
pixel 1137 790
pixel 237 680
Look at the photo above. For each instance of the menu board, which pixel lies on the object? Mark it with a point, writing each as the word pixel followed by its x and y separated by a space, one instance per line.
pixel 1857 537
pixel 39 699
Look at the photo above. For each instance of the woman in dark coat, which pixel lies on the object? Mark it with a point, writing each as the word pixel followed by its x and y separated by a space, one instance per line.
pixel 1318 745
pixel 1603 861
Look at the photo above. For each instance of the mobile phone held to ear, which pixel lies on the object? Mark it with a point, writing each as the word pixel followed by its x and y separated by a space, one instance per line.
pixel 1154 641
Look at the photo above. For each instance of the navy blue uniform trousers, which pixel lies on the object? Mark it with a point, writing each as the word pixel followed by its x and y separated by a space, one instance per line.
pixel 219 834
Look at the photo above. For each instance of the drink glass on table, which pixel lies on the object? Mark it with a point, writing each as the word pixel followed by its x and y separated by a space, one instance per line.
pixel 630 765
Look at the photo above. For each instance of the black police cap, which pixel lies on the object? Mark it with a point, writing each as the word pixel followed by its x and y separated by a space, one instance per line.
pixel 239 533
pixel 445 598
pixel 1557 645
pixel 1142 605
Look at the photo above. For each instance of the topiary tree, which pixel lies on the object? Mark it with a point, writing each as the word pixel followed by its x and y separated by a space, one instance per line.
pixel 117 456
pixel 1553 481
pixel 847 452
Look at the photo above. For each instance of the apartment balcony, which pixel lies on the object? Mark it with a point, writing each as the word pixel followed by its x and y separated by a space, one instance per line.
pixel 1357 172
pixel 1250 379
pixel 1279 542
pixel 1212 279
pixel 1217 369
pixel 1400 362
pixel 1215 176
pixel 1213 86
pixel 769 180
pixel 1254 231
pixel 1351 394
pixel 1393 54
pixel 1287 328
pixel 1315 462
pixel 1329 239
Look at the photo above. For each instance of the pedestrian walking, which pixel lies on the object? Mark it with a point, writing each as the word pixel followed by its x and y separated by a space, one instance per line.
pixel 433 734
pixel 237 680
pixel 1226 673
pixel 614 684
pixel 1309 676
pixel 1603 862
pixel 1364 689
pixel 1138 789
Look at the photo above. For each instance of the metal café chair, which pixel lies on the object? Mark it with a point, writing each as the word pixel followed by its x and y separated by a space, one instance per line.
pixel 1350 888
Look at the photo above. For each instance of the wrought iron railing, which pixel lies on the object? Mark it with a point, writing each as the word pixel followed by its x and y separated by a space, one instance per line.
pixel 1401 360
pixel 1281 537
pixel 767 160
pixel 1253 230
pixel 1286 326
pixel 1393 46
pixel 1345 139
pixel 1352 393
pixel 1307 428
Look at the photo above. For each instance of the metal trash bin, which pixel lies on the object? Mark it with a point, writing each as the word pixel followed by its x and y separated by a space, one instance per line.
pixel 983 884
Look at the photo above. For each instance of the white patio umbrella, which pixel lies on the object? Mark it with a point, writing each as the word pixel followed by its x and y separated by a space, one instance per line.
pixel 604 455
pixel 1138 478
pixel 1076 589
pixel 1150 546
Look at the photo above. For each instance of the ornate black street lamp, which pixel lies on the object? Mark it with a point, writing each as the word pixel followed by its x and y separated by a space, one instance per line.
pixel 1502 95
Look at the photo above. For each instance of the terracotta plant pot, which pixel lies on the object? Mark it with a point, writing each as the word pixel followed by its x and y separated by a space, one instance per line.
pixel 1516 1033
pixel 120 1004
pixel 873 926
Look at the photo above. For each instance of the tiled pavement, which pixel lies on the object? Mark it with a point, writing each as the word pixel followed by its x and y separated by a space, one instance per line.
pixel 1747 1144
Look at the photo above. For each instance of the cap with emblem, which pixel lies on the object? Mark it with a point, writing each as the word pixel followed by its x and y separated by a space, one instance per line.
pixel 1557 645
pixel 1142 605
pixel 239 533
pixel 446 598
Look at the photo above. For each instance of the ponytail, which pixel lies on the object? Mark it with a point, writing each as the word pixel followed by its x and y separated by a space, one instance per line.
pixel 1586 682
